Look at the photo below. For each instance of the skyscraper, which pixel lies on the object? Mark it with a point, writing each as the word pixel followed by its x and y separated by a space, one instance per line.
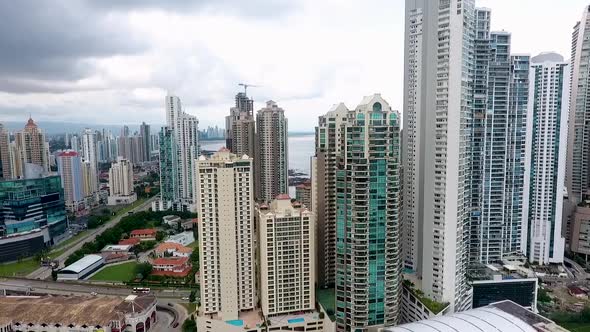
pixel 271 152
pixel 578 164
pixel 144 133
pixel 69 166
pixel 368 211
pixel 287 257
pixel 225 196
pixel 240 127
pixel 184 148
pixel 546 143
pixel 168 172
pixel 438 111
pixel 90 155
pixel 5 152
pixel 497 151
pixel 121 183
pixel 32 148
pixel 328 154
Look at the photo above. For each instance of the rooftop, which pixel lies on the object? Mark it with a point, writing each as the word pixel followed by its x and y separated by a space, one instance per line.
pixel 129 242
pixel 499 316
pixel 117 247
pixel 146 231
pixel 64 310
pixel 83 263
pixel 170 261
pixel 173 246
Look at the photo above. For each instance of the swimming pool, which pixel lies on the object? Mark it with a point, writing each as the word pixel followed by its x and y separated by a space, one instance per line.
pixel 296 320
pixel 235 322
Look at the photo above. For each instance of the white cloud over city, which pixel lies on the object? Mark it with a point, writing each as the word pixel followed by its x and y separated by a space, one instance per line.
pixel 112 62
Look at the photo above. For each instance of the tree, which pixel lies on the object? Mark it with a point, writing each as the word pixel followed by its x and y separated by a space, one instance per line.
pixel 192 297
pixel 143 269
pixel 189 325
pixel 160 236
pixel 54 275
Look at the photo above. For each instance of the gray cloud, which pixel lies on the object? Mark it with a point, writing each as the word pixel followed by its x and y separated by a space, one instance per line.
pixel 54 40
pixel 253 8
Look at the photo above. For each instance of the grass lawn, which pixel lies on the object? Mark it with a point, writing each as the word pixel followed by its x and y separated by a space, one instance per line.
pixel 194 245
pixel 56 253
pixel 120 272
pixel 327 298
pixel 19 269
pixel 577 327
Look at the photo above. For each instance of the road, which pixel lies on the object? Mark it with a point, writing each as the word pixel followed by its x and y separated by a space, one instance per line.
pixel 580 273
pixel 45 272
pixel 67 288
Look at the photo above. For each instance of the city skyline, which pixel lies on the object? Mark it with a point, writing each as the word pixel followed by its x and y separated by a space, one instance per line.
pixel 306 88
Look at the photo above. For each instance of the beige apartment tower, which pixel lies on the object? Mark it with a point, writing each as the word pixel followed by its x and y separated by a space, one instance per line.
pixel 287 257
pixel 224 190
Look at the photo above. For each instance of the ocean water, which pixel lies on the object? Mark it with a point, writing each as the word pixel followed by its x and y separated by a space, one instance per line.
pixel 301 149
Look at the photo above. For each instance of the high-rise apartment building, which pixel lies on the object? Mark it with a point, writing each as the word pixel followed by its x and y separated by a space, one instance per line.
pixel 368 196
pixel 90 155
pixel 497 150
pixel 303 194
pixel 240 127
pixel 546 143
pixel 225 196
pixel 31 148
pixel 69 166
pixel 121 183
pixel 287 257
pixel 5 154
pixel 578 157
pixel 438 111
pixel 144 133
pixel 272 178
pixel 324 164
pixel 181 141
pixel 168 176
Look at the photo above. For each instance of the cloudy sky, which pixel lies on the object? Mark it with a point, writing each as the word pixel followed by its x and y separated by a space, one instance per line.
pixel 113 61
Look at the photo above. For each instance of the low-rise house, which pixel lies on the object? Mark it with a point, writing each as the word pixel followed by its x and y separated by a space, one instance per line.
pixel 171 266
pixel 172 249
pixel 147 234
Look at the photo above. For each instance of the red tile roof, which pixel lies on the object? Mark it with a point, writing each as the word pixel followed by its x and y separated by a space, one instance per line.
pixel 131 242
pixel 173 245
pixel 147 231
pixel 170 261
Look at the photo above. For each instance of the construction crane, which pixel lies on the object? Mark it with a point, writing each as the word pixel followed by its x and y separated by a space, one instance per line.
pixel 245 85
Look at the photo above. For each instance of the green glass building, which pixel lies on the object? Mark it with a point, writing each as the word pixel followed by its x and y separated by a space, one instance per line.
pixel 368 264
pixel 32 216
pixel 167 170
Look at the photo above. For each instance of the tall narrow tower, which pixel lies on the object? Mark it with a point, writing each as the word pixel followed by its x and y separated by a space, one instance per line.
pixel 438 113
pixel 546 143
pixel 90 155
pixel 272 178
pixel 240 127
pixel 368 265
pixel 225 199
pixel 328 154
pixel 183 129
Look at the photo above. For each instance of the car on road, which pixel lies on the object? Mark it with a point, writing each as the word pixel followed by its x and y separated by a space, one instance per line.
pixel 93 294
pixel 184 298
